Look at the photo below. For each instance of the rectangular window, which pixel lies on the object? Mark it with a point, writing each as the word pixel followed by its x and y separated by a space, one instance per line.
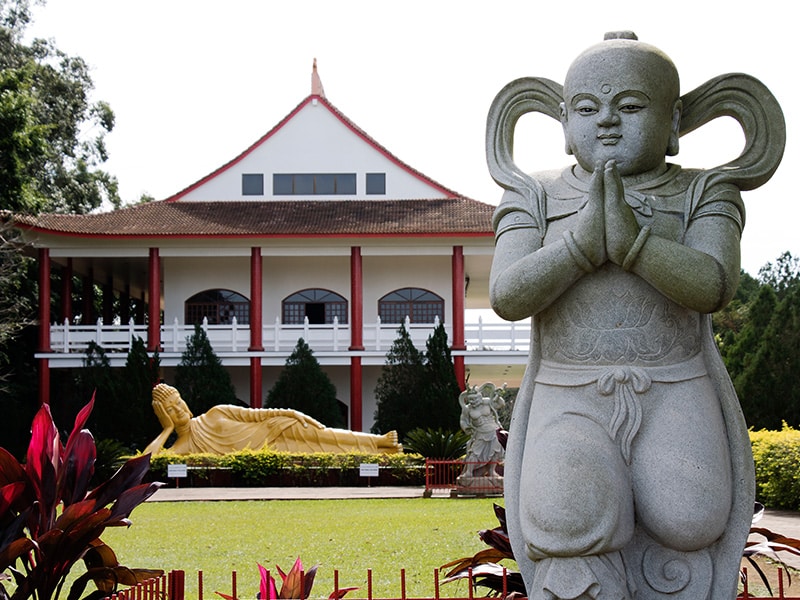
pixel 282 185
pixel 376 183
pixel 252 184
pixel 313 184
pixel 325 184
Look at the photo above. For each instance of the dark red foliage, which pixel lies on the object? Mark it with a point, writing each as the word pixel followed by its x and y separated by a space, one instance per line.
pixel 49 519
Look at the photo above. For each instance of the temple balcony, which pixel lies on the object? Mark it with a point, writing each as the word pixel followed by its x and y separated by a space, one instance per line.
pixel 330 343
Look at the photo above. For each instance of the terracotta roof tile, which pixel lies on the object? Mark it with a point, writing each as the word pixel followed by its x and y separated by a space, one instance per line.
pixel 276 218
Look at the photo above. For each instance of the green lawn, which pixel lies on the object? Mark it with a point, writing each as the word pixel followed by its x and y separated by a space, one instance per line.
pixel 417 535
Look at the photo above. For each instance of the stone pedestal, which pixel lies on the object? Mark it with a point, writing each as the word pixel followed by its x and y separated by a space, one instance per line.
pixel 487 485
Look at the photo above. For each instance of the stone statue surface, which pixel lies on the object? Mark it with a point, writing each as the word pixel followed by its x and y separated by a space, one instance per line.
pixel 227 428
pixel 628 471
pixel 483 470
pixel 479 419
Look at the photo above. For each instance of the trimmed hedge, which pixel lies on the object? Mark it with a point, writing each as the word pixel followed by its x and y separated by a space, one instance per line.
pixel 776 455
pixel 269 468
pixel 777 459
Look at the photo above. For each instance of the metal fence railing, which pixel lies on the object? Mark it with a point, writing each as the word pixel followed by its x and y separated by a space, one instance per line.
pixel 172 586
pixel 461 477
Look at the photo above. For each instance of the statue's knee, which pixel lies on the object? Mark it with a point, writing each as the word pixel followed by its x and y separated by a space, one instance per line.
pixel 575 490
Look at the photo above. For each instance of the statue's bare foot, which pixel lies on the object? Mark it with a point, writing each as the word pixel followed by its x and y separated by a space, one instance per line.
pixel 389 440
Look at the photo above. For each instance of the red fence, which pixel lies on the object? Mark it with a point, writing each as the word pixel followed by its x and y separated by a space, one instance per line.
pixel 463 478
pixel 173 587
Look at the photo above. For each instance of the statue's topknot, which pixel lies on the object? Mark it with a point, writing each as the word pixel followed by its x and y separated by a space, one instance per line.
pixel 162 392
pixel 620 35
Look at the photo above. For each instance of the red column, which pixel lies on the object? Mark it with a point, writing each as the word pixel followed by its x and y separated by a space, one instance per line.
pixel 256 329
pixel 88 298
pixel 356 420
pixel 125 304
pixel 356 336
pixel 44 324
pixel 458 314
pixel 356 300
pixel 154 305
pixel 108 301
pixel 66 292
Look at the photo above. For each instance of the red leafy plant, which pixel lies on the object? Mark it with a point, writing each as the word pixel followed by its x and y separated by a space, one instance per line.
pixel 769 546
pixel 50 519
pixel 484 567
pixel 296 584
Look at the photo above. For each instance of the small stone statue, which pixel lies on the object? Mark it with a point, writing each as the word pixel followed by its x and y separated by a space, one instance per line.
pixel 479 419
pixel 628 471
pixel 227 428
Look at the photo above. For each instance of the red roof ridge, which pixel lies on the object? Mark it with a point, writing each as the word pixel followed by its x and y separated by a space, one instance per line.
pixel 321 99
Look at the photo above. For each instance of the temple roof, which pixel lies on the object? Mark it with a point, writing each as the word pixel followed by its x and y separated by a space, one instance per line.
pixel 293 218
pixel 443 213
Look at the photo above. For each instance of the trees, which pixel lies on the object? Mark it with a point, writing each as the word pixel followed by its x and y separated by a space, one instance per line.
pixel 416 389
pixel 303 386
pixel 400 387
pixel 200 377
pixel 51 148
pixel 122 396
pixel 441 390
pixel 52 139
pixel 763 354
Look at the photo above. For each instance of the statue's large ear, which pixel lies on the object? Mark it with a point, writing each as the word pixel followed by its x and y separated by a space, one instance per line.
pixel 674 136
pixel 562 111
pixel 521 96
pixel 748 101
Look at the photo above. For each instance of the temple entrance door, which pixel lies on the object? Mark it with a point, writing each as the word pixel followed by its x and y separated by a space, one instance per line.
pixel 315 311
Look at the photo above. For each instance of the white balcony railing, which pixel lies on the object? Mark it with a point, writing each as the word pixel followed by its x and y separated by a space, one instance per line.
pixel 276 337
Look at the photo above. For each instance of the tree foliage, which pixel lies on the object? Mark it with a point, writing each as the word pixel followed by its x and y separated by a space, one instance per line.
pixel 761 345
pixel 441 390
pixel 304 386
pixel 200 377
pixel 400 387
pixel 415 389
pixel 123 410
pixel 52 135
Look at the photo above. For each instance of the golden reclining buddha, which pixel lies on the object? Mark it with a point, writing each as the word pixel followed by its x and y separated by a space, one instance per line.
pixel 227 428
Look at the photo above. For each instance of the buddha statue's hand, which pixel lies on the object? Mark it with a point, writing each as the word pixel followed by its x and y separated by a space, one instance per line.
pixel 621 228
pixel 163 416
pixel 590 231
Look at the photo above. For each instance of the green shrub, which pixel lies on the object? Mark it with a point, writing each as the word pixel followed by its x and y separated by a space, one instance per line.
pixel 253 467
pixel 777 461
pixel 437 443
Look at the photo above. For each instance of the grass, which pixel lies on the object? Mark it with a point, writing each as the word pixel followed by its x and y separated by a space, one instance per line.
pixel 417 535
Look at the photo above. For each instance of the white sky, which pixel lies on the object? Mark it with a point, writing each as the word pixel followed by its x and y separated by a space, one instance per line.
pixel 193 82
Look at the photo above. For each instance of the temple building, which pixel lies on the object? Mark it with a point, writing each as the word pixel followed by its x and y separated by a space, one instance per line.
pixel 315 231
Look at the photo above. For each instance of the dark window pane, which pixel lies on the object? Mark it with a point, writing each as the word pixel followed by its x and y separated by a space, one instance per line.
pixel 303 185
pixel 252 184
pixel 320 306
pixel 218 307
pixel 420 306
pixel 325 184
pixel 346 183
pixel 282 184
pixel 376 183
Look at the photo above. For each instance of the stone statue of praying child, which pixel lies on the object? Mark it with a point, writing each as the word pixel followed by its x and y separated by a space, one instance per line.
pixel 628 470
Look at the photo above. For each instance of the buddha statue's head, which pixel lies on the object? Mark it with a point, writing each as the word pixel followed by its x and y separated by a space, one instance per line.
pixel 622 103
pixel 169 400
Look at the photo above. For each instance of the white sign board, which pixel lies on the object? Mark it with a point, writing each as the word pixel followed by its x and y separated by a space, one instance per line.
pixel 368 470
pixel 177 471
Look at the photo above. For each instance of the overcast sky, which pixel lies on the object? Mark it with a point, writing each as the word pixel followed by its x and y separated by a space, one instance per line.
pixel 193 82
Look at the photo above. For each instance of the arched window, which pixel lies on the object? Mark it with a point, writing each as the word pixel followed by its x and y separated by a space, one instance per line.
pixel 320 306
pixel 218 306
pixel 420 306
